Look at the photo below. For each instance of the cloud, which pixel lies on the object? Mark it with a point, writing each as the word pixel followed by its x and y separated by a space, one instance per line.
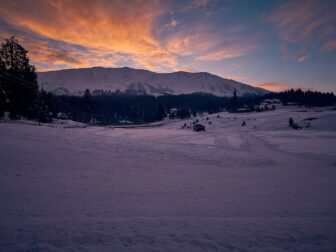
pixel 311 22
pixel 274 86
pixel 329 46
pixel 302 55
pixel 201 3
pixel 99 26
pixel 277 87
pixel 204 44
pixel 196 4
pixel 298 56
pixel 188 69
pixel 145 34
pixel 49 54
pixel 227 51
pixel 191 43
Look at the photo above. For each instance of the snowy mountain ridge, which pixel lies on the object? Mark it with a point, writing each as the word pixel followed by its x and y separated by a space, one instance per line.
pixel 75 81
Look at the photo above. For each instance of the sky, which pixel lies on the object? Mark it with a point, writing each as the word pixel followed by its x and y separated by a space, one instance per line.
pixel 271 44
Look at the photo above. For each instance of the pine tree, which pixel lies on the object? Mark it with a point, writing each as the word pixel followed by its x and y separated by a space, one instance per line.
pixel 160 114
pixel 88 106
pixel 43 109
pixel 19 80
pixel 3 98
pixel 233 102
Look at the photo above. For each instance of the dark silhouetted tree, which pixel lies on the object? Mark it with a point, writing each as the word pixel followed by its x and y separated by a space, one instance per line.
pixel 233 102
pixel 87 106
pixel 19 80
pixel 44 113
pixel 160 112
pixel 2 98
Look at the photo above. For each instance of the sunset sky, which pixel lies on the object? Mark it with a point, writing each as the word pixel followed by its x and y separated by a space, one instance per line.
pixel 272 44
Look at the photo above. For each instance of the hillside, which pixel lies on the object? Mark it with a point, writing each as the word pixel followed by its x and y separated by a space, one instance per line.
pixel 140 81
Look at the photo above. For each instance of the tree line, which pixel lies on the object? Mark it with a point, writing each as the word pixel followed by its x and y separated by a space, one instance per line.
pixel 21 96
pixel 305 98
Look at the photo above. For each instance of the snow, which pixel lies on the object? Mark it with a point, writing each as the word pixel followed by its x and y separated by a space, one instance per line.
pixel 262 187
pixel 59 123
pixel 77 80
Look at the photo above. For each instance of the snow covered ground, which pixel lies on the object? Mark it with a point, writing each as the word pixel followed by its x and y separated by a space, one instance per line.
pixel 262 187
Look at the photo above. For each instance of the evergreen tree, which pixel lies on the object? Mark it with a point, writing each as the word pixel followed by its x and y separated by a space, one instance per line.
pixel 160 114
pixel 3 98
pixel 233 103
pixel 19 80
pixel 44 114
pixel 87 106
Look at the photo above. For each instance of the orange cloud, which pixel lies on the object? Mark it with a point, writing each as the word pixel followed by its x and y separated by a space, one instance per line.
pixel 190 44
pixel 46 56
pixel 206 45
pixel 230 51
pixel 187 69
pixel 273 86
pixel 114 26
pixel 84 33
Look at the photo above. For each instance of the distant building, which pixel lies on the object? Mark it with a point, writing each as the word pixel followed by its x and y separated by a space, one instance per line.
pixel 268 104
pixel 62 116
pixel 173 111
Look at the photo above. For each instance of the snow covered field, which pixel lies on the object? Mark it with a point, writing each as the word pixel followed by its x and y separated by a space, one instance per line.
pixel 262 187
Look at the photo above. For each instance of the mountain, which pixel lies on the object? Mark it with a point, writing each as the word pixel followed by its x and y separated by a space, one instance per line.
pixel 75 81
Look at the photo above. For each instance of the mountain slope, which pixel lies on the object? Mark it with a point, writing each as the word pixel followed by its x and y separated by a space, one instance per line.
pixel 140 81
